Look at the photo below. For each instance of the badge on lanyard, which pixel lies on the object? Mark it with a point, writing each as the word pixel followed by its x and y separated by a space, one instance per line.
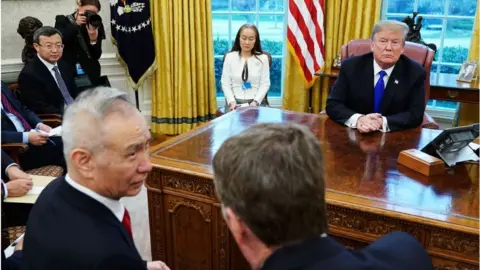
pixel 246 84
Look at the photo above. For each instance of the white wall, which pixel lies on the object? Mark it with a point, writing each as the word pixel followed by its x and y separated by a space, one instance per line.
pixel 12 11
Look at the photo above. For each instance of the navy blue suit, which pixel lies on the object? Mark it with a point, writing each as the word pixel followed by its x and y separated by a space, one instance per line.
pixel 9 131
pixel 403 101
pixel 70 230
pixel 50 153
pixel 394 251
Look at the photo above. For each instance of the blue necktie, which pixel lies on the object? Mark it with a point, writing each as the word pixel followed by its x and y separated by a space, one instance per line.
pixel 379 88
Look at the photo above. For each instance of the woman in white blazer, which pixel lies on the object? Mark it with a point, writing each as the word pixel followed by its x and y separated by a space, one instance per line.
pixel 246 70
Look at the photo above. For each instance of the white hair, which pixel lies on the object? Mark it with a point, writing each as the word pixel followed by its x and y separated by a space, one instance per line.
pixel 392 26
pixel 83 119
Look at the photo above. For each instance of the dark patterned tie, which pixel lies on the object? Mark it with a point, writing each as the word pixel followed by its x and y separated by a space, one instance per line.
pixel 63 87
pixel 127 222
pixel 9 108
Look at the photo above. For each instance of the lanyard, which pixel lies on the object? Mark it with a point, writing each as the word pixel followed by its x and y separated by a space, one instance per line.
pixel 245 73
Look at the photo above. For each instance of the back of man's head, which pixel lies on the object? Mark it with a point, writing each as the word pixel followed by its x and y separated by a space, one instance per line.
pixel 271 177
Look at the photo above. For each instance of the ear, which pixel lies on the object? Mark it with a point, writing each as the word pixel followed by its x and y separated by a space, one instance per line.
pixel 372 44
pixel 237 227
pixel 83 162
pixel 36 46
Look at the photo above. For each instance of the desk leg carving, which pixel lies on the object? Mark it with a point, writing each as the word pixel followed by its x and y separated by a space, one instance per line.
pixel 155 204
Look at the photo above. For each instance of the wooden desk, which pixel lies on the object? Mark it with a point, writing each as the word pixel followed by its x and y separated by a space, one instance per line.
pixel 368 194
pixel 442 87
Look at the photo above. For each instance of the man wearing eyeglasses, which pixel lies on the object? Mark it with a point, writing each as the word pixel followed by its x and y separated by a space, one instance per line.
pixel 47 83
pixel 382 90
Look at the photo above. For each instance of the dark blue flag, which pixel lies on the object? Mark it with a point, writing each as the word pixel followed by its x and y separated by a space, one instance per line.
pixel 132 33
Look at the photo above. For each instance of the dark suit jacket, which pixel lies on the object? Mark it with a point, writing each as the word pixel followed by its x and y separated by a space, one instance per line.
pixel 6 161
pixel 9 131
pixel 12 262
pixel 395 251
pixel 73 52
pixel 67 229
pixel 38 89
pixel 403 103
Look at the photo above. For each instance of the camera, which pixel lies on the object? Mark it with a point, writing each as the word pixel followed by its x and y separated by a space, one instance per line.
pixel 93 18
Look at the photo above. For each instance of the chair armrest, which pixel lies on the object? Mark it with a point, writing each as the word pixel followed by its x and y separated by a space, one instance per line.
pixel 53 123
pixel 14 150
pixel 49 116
pixel 428 122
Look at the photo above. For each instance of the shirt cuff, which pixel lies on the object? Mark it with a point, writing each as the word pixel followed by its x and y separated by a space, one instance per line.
pixel 5 190
pixel 25 137
pixel 352 121
pixel 6 169
pixel 384 125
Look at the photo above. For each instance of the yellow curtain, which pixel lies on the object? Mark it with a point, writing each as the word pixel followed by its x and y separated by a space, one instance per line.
pixel 345 20
pixel 183 86
pixel 469 112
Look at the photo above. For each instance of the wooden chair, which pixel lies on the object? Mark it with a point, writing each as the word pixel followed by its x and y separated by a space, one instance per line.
pixel 221 110
pixel 417 52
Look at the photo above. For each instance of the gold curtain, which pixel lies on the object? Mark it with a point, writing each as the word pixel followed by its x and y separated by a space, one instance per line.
pixel 469 112
pixel 183 86
pixel 345 20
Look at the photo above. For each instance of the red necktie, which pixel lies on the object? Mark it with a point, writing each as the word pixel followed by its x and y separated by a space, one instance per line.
pixel 127 222
pixel 9 108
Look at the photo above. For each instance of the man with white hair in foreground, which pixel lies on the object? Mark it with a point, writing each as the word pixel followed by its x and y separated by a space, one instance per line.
pixel 78 221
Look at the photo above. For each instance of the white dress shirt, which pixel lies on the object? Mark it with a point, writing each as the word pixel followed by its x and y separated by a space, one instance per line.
pixel 258 76
pixel 352 121
pixel 50 67
pixel 117 208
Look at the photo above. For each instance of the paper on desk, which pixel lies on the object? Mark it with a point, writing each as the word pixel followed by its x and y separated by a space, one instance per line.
pixel 35 190
pixel 11 248
pixel 39 183
pixel 54 132
pixel 464 154
pixel 474 146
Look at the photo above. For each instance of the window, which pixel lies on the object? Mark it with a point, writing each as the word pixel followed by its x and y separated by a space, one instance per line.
pixel 446 23
pixel 268 16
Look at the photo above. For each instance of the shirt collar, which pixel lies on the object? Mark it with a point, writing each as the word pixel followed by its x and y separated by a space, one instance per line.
pixel 115 206
pixel 377 69
pixel 50 66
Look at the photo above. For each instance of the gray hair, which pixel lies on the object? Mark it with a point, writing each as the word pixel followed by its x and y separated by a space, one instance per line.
pixel 392 26
pixel 271 176
pixel 82 120
pixel 45 31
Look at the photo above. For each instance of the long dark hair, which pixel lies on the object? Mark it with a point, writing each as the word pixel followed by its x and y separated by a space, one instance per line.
pixel 257 47
pixel 26 27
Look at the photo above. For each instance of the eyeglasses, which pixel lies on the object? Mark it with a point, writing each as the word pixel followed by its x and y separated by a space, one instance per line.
pixel 50 47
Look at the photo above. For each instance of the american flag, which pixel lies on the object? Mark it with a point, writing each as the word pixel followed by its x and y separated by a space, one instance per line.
pixel 306 35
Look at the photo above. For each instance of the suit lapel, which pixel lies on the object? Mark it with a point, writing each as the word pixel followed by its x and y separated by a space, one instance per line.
pixel 45 73
pixel 8 97
pixel 367 79
pixel 95 209
pixel 394 84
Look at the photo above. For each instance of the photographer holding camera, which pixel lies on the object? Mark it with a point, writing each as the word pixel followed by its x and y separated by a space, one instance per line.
pixel 83 32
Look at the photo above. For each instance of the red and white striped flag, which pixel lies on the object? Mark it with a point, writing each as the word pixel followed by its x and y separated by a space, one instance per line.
pixel 306 35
